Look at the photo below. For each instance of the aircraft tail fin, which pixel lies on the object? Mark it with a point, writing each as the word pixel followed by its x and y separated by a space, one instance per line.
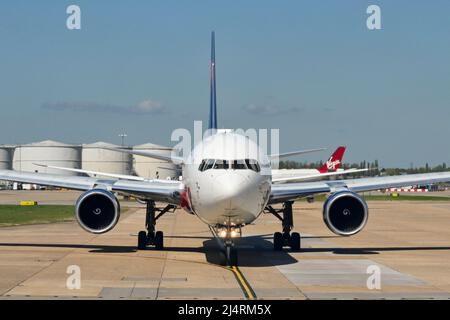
pixel 212 101
pixel 334 162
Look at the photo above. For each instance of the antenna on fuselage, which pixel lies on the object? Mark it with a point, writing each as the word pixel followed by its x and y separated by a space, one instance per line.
pixel 212 88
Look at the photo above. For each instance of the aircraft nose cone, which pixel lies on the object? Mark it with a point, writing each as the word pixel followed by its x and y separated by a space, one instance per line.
pixel 230 189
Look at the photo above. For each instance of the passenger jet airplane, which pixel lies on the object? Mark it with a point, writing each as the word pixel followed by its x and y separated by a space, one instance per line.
pixel 223 185
pixel 329 168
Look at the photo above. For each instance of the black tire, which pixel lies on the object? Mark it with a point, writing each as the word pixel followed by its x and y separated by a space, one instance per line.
pixel 159 240
pixel 277 241
pixel 295 241
pixel 142 240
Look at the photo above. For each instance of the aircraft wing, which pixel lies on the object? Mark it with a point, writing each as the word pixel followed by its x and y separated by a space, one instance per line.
pixel 93 173
pixel 293 153
pixel 159 190
pixel 293 191
pixel 150 154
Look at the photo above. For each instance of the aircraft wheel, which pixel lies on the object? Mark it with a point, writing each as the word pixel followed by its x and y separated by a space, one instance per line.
pixel 159 240
pixel 278 241
pixel 295 241
pixel 142 240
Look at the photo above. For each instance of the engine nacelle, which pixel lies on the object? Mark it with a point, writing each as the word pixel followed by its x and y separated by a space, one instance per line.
pixel 97 211
pixel 345 213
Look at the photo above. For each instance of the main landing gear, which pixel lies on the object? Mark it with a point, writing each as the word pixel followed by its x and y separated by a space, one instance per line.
pixel 151 236
pixel 285 238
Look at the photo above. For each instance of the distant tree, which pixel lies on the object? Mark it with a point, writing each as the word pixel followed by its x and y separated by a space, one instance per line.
pixel 373 166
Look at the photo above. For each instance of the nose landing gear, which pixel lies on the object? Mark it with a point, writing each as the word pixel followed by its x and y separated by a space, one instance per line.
pixel 151 236
pixel 285 238
pixel 231 256
pixel 225 238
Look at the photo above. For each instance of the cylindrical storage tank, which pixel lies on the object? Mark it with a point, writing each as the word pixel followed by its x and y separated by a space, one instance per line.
pixel 6 157
pixel 47 152
pixel 154 168
pixel 95 158
pixel 5 161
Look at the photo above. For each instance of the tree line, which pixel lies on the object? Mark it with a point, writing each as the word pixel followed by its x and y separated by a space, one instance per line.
pixel 372 166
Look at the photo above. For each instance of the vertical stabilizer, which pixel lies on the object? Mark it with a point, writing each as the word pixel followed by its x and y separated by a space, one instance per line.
pixel 334 162
pixel 212 101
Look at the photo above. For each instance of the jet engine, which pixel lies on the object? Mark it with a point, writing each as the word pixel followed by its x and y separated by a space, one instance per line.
pixel 97 210
pixel 345 213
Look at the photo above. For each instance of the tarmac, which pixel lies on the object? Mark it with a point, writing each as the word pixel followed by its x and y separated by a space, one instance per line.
pixel 403 253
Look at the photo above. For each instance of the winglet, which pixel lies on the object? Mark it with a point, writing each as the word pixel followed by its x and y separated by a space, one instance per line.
pixel 334 162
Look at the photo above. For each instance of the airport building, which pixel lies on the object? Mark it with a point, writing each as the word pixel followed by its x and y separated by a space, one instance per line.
pixel 154 168
pixel 6 157
pixel 95 158
pixel 47 152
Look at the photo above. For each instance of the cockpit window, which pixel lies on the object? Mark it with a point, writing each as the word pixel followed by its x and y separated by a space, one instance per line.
pixel 253 165
pixel 221 164
pixel 202 166
pixel 239 164
pixel 209 164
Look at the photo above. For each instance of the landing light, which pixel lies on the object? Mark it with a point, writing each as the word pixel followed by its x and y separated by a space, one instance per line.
pixel 224 233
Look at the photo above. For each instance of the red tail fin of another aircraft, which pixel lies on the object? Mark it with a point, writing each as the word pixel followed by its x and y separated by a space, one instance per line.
pixel 334 162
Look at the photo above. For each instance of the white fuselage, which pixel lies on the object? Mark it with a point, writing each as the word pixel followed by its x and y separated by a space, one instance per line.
pixel 222 188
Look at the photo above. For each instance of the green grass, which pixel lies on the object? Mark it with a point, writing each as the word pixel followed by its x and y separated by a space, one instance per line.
pixel 11 215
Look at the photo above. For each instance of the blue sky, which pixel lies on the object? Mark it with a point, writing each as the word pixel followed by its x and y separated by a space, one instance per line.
pixel 310 68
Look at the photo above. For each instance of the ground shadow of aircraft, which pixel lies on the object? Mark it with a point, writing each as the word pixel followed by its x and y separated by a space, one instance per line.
pixel 253 251
pixel 97 248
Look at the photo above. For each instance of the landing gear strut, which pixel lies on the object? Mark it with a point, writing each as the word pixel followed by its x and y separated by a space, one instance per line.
pixel 225 238
pixel 285 238
pixel 151 236
pixel 231 257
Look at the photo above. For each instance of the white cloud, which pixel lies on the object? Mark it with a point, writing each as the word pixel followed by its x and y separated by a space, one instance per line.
pixel 144 107
pixel 268 109
pixel 150 106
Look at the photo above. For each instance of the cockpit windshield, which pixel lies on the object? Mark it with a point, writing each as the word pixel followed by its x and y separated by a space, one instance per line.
pixel 239 164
